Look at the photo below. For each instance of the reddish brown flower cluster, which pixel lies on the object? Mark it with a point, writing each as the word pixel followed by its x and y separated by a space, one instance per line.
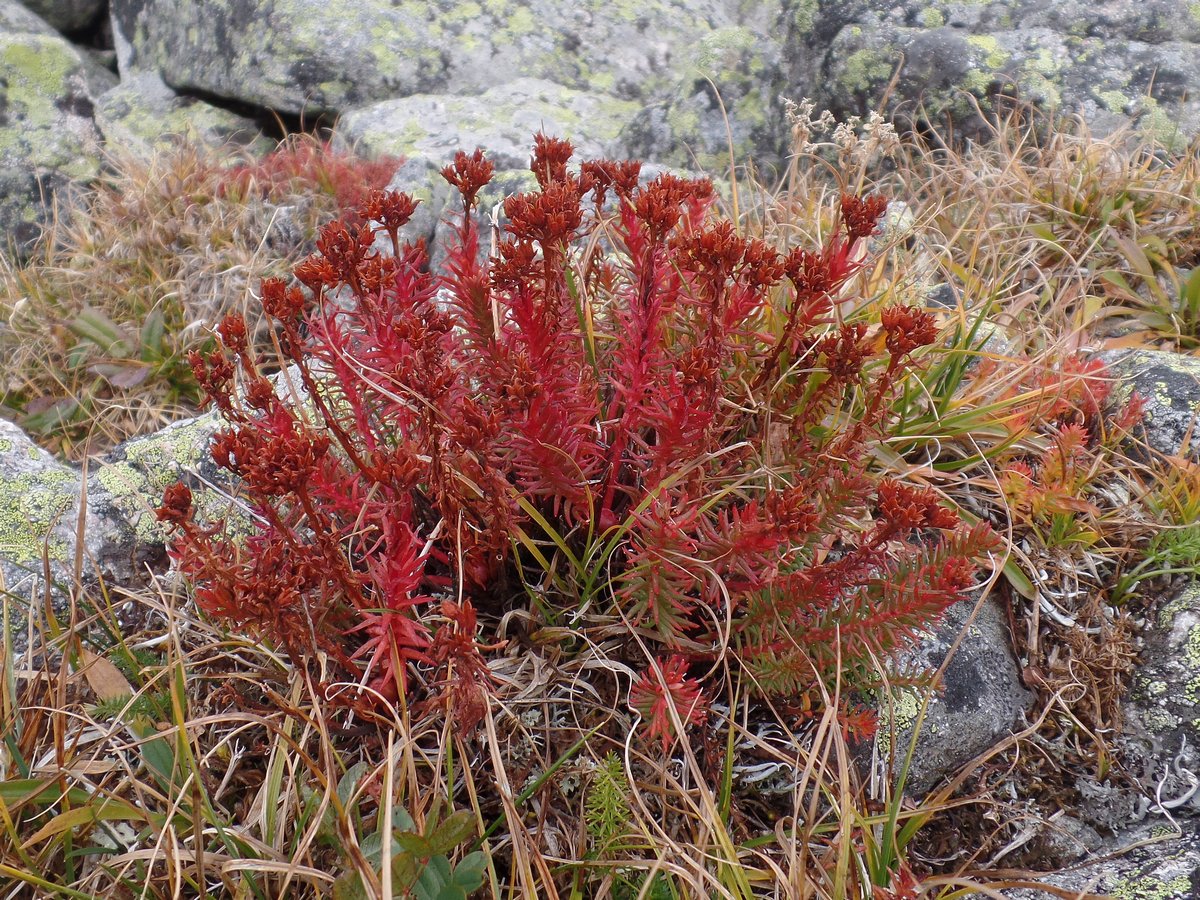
pixel 903 509
pixel 907 329
pixel 861 215
pixel 628 384
pixel 469 174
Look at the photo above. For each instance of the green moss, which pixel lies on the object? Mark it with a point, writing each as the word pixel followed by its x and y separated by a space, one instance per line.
pixel 30 506
pixel 5 445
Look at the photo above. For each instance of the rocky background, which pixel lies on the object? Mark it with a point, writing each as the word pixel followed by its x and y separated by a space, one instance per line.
pixel 419 78
pixel 669 82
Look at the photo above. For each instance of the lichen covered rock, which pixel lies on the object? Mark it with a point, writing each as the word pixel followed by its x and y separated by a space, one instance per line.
pixel 317 56
pixel 1107 61
pixel 500 120
pixel 1163 865
pixel 977 704
pixel 726 99
pixel 41 498
pixel 142 114
pixel 1169 385
pixel 1162 711
pixel 67 15
pixel 426 130
pixel 47 137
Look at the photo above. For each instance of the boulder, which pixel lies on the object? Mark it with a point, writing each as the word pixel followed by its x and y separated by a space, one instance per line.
pixel 1162 725
pixel 67 15
pixel 426 130
pixel 1169 385
pixel 501 120
pixel 40 500
pixel 142 113
pixel 317 56
pixel 47 137
pixel 1152 862
pixel 979 701
pixel 729 102
pixel 1107 60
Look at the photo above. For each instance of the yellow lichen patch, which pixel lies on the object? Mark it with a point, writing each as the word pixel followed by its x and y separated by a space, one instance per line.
pixel 897 716
pixel 1191 648
pixel 993 55
pixel 1141 887
pixel 137 483
pixel 933 18
pixel 1188 598
pixel 30 506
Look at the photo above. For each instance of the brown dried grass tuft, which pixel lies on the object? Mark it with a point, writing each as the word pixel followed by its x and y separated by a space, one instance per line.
pixel 121 286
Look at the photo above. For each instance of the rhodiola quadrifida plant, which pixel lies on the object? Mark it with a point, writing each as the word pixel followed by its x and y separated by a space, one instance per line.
pixel 626 409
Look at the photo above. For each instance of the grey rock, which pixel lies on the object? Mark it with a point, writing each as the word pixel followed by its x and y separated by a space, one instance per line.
pixel 38 509
pixel 1066 839
pixel 1107 61
pixel 40 500
pixel 1162 727
pixel 420 177
pixel 426 130
pixel 39 520
pixel 47 137
pixel 727 102
pixel 67 15
pixel 142 114
pixel 317 56
pixel 978 703
pixel 1153 862
pixel 501 120
pixel 1169 385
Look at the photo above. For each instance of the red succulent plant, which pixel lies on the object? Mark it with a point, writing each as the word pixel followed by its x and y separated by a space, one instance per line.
pixel 629 380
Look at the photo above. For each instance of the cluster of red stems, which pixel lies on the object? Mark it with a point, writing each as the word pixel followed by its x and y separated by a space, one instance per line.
pixel 301 164
pixel 621 370
pixel 1069 409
